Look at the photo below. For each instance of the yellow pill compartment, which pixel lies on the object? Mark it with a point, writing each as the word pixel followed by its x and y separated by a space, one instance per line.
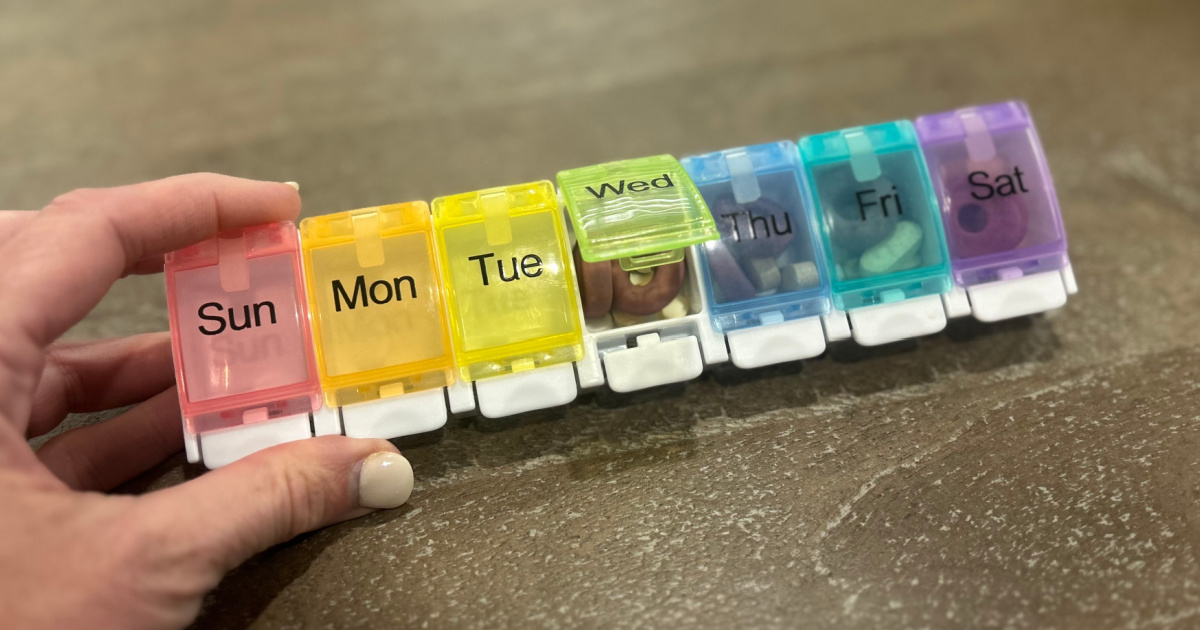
pixel 510 288
pixel 379 323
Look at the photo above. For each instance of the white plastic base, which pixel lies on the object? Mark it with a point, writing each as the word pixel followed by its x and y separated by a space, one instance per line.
pixel 956 302
pixel 460 397
pixel 327 421
pixel 589 369
pixel 837 325
pixel 653 362
pixel 191 446
pixel 225 446
pixel 1006 299
pixel 540 388
pixel 776 343
pixel 1068 276
pixel 608 356
pixel 406 414
pixel 885 323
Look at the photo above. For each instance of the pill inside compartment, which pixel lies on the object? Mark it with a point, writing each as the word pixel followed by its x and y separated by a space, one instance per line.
pixel 764 269
pixel 881 226
pixel 616 298
pixel 1000 210
pixel 635 220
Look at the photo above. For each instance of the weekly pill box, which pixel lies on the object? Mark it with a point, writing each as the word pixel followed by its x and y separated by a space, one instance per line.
pixel 1003 226
pixel 766 268
pixel 510 289
pixel 756 255
pixel 240 329
pixel 379 323
pixel 868 182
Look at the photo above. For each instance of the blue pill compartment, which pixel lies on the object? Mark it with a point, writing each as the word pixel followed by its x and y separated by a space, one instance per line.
pixel 767 267
pixel 865 182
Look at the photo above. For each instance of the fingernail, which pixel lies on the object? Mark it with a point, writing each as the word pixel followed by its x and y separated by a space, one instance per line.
pixel 293 185
pixel 384 481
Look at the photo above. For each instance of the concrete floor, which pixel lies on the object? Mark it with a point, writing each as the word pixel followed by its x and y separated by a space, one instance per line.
pixel 1039 473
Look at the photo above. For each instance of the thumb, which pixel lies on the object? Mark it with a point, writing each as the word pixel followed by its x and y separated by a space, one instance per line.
pixel 234 512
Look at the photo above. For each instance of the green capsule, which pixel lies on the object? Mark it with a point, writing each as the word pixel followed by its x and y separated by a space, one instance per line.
pixel 887 256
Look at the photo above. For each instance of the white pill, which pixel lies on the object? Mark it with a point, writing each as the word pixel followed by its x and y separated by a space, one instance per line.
pixel 800 276
pixel 764 274
pixel 675 309
pixel 597 324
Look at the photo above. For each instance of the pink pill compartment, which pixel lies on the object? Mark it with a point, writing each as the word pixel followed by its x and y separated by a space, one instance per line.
pixel 240 329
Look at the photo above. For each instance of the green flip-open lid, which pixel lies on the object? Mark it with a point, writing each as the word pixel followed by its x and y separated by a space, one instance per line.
pixel 643 212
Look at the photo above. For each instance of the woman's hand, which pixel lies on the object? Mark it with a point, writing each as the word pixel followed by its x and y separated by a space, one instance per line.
pixel 72 557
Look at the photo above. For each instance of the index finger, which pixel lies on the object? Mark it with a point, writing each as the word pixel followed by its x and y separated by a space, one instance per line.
pixel 59 265
pixel 65 260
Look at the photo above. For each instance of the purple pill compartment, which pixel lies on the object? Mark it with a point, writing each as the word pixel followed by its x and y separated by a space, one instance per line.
pixel 995 191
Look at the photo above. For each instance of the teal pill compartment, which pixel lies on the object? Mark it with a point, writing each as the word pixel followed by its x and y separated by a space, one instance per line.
pixel 767 266
pixel 879 222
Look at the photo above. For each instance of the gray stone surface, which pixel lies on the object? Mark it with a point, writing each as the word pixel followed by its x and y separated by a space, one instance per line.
pixel 1037 473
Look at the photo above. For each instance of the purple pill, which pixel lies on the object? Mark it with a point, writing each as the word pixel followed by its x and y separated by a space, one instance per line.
pixel 726 273
pixel 979 227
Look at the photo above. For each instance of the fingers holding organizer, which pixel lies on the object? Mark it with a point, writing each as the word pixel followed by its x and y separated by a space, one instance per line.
pixel 756 255
pixel 276 494
pixel 120 229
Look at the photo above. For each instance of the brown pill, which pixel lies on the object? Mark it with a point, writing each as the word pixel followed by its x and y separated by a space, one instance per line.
pixel 651 297
pixel 595 285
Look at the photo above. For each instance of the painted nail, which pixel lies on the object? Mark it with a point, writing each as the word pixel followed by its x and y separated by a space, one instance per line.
pixel 293 185
pixel 385 480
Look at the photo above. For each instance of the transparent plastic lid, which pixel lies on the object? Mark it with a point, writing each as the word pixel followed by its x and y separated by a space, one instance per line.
pixel 510 290
pixel 878 216
pixel 767 266
pixel 642 212
pixel 997 199
pixel 370 273
pixel 240 328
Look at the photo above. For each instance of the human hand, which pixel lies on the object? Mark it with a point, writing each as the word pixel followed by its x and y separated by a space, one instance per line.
pixel 74 557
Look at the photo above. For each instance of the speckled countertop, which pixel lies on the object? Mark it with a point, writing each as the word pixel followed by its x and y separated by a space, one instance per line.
pixel 1036 473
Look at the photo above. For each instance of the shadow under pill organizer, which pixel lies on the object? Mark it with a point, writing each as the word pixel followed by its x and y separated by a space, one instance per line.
pixel 383 321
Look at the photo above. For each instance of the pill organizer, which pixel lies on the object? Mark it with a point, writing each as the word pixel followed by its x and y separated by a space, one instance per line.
pixel 384 321
pixel 379 324
pixel 511 296
pixel 1005 234
pixel 881 230
pixel 240 336
pixel 635 223
pixel 766 283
